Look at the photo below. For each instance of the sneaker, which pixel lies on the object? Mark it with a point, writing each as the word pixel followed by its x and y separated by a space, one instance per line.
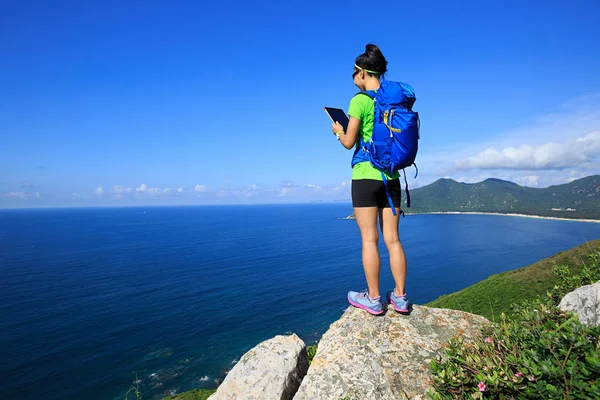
pixel 400 303
pixel 362 300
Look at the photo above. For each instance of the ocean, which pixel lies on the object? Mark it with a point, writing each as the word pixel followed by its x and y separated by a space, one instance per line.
pixel 91 297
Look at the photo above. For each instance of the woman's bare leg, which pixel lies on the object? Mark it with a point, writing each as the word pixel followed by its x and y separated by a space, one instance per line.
pixel 366 218
pixel 389 227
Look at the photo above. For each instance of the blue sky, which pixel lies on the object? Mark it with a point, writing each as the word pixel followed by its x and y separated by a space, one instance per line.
pixel 184 102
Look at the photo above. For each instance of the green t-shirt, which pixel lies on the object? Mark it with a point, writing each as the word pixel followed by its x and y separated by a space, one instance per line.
pixel 361 107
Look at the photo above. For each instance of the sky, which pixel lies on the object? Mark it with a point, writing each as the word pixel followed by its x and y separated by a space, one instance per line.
pixel 121 103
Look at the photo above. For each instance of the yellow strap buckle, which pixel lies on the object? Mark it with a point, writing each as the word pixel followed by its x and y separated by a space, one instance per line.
pixel 386 115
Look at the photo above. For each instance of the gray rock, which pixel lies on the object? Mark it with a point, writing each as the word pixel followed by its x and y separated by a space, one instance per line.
pixel 273 369
pixel 585 303
pixel 383 357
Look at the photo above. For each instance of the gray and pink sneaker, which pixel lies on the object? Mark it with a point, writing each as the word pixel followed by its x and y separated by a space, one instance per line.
pixel 362 300
pixel 400 303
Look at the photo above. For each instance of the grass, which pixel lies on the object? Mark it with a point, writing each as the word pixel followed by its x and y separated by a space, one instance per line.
pixel 196 394
pixel 494 295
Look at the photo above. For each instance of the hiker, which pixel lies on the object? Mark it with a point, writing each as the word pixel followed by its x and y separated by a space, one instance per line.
pixel 370 199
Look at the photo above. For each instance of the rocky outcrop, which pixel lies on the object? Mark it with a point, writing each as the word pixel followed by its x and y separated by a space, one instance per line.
pixel 272 370
pixel 585 303
pixel 383 357
pixel 361 356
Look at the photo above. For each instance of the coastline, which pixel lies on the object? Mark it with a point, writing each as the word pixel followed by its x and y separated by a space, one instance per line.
pixel 512 215
pixel 351 216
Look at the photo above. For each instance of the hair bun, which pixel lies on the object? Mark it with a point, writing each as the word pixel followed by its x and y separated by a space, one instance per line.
pixel 372 50
pixel 372 59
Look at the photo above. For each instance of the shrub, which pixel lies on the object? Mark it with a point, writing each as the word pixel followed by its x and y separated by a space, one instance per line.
pixel 311 351
pixel 540 352
pixel 569 281
pixel 196 394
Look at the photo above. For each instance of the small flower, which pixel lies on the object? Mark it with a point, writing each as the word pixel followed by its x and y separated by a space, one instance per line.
pixel 531 378
pixel 519 374
pixel 481 386
pixel 488 339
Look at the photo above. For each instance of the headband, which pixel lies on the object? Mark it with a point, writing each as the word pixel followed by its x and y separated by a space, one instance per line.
pixel 368 70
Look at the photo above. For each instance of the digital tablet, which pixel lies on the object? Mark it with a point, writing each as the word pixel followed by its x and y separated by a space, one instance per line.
pixel 337 114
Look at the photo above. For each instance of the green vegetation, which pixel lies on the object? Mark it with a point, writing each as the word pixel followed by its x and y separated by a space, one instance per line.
pixel 579 199
pixel 494 295
pixel 311 351
pixel 135 389
pixel 196 394
pixel 537 351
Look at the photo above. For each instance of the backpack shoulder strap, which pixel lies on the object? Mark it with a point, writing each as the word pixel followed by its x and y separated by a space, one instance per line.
pixel 369 93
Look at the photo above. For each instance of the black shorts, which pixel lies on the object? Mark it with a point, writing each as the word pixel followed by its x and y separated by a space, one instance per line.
pixel 371 193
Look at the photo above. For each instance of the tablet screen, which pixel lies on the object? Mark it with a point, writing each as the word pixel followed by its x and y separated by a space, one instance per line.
pixel 337 114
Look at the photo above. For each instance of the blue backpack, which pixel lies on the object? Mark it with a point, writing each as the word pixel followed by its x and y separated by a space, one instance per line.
pixel 394 143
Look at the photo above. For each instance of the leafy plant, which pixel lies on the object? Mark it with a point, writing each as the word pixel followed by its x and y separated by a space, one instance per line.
pixel 135 389
pixel 196 394
pixel 539 352
pixel 311 351
pixel 569 281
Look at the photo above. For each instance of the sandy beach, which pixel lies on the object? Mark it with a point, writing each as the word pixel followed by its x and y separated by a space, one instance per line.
pixel 514 215
pixel 500 214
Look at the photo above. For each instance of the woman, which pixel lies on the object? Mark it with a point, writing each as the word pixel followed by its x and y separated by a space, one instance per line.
pixel 368 192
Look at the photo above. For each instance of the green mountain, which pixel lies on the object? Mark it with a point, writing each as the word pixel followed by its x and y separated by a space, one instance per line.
pixel 577 199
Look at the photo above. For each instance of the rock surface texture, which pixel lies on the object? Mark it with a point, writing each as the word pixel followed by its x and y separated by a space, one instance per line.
pixel 273 369
pixel 369 357
pixel 585 302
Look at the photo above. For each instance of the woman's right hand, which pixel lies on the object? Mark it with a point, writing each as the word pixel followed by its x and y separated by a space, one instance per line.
pixel 337 128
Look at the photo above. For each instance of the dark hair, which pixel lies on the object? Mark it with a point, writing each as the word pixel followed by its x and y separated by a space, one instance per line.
pixel 372 59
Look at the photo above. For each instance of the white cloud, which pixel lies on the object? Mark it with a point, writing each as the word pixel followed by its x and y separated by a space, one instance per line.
pixel 555 147
pixel 118 189
pixel 99 191
pixel 343 185
pixel 200 188
pixel 286 191
pixel 252 190
pixel 528 180
pixel 180 190
pixel 144 189
pixel 571 153
pixel 20 195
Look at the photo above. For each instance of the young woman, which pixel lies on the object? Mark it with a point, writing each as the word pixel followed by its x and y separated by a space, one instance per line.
pixel 368 192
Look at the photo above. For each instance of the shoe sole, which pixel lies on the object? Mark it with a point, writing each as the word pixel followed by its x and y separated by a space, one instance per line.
pixel 400 310
pixel 367 309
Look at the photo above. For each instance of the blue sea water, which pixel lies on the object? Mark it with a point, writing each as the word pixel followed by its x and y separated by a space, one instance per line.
pixel 91 297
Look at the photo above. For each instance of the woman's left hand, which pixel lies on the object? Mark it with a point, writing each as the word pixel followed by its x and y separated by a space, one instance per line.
pixel 336 127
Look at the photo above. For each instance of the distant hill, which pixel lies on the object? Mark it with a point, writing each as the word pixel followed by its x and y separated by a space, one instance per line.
pixel 578 199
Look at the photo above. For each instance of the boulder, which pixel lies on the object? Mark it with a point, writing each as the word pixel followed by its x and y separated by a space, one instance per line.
pixel 369 357
pixel 585 303
pixel 273 369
